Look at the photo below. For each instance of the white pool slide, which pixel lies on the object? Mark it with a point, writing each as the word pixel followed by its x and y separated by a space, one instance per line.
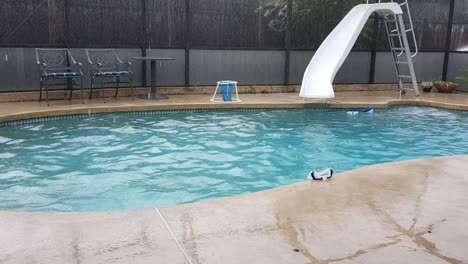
pixel 322 69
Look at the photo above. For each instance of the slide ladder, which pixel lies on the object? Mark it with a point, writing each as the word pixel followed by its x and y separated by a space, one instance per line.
pixel 399 45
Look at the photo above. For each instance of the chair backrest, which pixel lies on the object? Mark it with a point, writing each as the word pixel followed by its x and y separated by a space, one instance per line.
pixel 54 60
pixel 107 58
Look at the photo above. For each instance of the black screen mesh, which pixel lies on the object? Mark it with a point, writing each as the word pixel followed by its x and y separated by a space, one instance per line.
pixel 238 24
pixel 430 20
pixel 105 23
pixel 313 20
pixel 223 24
pixel 459 41
pixel 166 22
pixel 32 23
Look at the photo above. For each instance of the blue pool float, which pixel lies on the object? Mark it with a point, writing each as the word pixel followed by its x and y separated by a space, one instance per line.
pixel 368 110
pixel 355 111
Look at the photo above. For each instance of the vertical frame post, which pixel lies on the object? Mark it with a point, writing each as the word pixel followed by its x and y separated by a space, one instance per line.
pixel 67 23
pixel 287 40
pixel 67 38
pixel 448 40
pixel 144 41
pixel 375 36
pixel 187 42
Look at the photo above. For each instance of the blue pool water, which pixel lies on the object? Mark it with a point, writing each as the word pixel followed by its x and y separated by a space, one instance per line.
pixel 129 161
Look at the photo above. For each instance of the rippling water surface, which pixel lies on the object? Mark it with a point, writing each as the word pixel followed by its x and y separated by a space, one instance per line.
pixel 129 161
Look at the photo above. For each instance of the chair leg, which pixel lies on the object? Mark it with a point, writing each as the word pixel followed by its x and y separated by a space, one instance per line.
pixel 117 88
pixel 47 94
pixel 41 86
pixel 92 86
pixel 102 89
pixel 131 87
pixel 81 88
pixel 71 91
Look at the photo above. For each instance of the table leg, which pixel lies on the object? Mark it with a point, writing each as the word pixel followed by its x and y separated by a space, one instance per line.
pixel 153 77
pixel 153 94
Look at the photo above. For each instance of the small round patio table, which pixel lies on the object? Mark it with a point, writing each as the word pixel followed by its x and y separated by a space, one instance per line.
pixel 153 94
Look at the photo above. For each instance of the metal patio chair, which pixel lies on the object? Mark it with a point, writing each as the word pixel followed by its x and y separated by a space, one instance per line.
pixel 108 68
pixel 56 65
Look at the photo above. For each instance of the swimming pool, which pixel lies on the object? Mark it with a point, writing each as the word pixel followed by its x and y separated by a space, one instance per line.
pixel 136 160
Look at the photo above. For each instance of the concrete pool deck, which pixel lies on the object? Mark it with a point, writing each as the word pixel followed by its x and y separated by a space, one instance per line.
pixel 404 212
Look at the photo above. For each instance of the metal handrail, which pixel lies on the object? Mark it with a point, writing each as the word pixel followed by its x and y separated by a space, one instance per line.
pixel 412 29
pixel 411 23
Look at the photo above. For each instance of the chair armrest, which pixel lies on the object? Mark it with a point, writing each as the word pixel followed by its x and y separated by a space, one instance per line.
pixel 43 67
pixel 97 65
pixel 121 62
pixel 70 56
pixel 127 64
pixel 80 65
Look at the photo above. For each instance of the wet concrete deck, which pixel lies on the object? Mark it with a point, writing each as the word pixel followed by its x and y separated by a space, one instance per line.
pixel 406 212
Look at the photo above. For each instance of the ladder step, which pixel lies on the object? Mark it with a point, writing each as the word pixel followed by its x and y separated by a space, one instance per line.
pixel 405 76
pixel 409 30
pixel 391 20
pixel 395 35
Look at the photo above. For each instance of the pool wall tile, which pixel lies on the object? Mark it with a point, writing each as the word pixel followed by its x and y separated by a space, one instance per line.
pixel 27 121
